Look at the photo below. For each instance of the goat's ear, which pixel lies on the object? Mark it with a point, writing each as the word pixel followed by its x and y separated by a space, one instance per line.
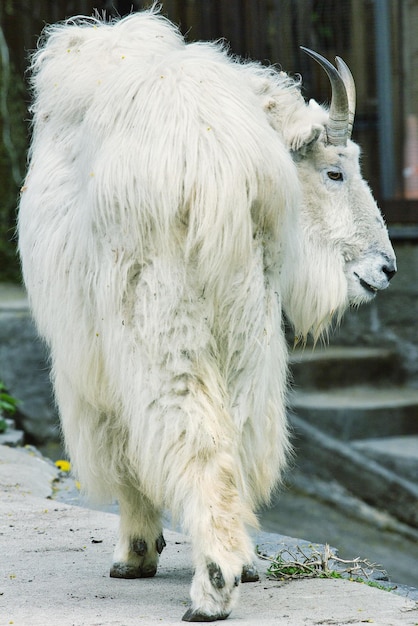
pixel 302 136
pixel 303 140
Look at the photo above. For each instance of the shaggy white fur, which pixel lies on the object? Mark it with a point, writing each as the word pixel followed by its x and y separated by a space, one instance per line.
pixel 177 201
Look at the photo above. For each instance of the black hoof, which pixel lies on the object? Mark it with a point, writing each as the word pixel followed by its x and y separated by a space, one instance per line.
pixel 148 572
pixel 216 576
pixel 122 570
pixel 160 544
pixel 195 616
pixel 249 574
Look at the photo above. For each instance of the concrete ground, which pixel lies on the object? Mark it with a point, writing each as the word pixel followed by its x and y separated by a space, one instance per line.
pixel 55 557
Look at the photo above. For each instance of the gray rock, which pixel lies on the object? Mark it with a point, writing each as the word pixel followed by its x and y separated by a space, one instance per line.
pixel 24 367
pixel 365 478
pixel 25 471
pixel 12 437
pixel 399 454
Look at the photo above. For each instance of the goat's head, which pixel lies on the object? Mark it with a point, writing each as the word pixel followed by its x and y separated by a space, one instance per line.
pixel 341 224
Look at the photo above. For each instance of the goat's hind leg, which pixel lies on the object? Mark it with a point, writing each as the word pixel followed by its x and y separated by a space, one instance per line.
pixel 140 534
pixel 215 518
pixel 141 539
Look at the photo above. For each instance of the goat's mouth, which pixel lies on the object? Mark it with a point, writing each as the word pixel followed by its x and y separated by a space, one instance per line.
pixel 370 288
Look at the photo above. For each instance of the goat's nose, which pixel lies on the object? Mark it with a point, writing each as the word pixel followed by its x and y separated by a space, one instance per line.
pixel 390 270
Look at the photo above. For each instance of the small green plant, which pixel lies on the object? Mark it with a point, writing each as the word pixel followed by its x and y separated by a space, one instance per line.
pixel 373 583
pixel 312 563
pixel 8 406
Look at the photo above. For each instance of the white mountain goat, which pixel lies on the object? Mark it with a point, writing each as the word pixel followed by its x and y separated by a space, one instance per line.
pixel 177 201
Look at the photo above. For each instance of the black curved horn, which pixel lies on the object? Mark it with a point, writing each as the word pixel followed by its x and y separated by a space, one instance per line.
pixel 350 87
pixel 340 120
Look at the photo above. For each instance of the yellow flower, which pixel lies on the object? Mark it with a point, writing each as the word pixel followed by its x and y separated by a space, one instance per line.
pixel 64 466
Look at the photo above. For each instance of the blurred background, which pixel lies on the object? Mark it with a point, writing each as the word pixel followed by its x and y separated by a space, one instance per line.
pixel 354 480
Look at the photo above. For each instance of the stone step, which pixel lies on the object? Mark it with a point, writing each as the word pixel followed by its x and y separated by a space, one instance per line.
pixel 12 436
pixel 352 413
pixel 399 454
pixel 325 456
pixel 324 368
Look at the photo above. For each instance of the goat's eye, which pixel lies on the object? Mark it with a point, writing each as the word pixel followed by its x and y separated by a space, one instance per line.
pixel 334 175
